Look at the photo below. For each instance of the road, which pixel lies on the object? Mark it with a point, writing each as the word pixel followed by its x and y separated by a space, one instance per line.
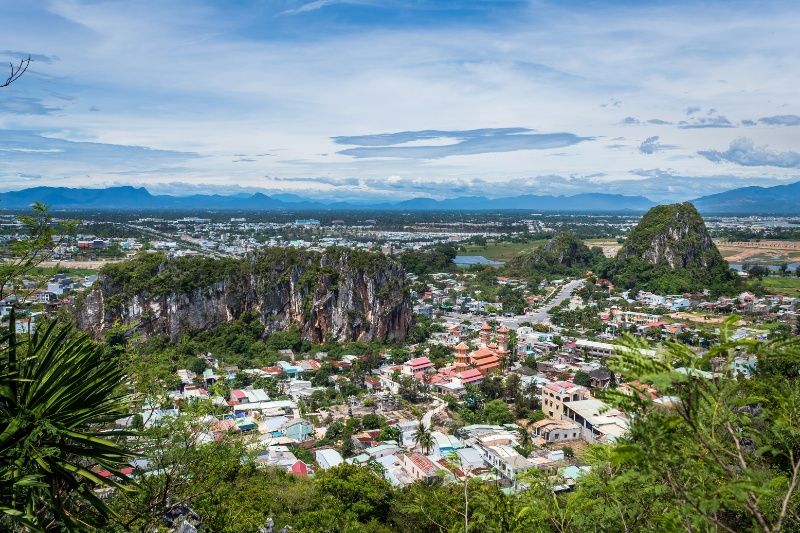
pixel 428 416
pixel 542 315
pixel 539 316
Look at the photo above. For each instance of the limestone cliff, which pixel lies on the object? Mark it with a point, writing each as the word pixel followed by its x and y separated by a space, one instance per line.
pixel 343 295
pixel 564 254
pixel 673 235
pixel 671 251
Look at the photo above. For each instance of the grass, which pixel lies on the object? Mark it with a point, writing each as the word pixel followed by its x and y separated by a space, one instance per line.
pixel 77 272
pixel 503 250
pixel 789 286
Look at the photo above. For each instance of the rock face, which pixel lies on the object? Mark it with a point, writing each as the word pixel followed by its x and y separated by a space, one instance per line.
pixel 564 254
pixel 672 235
pixel 343 295
pixel 670 251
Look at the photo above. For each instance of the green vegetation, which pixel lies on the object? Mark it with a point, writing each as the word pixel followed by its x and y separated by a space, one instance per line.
pixel 563 255
pixel 669 252
pixel 429 261
pixel 784 285
pixel 57 389
pixel 155 275
pixel 502 250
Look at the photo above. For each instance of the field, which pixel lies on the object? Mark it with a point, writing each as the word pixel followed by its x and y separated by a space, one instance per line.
pixel 78 267
pixel 760 252
pixel 610 246
pixel 789 286
pixel 503 250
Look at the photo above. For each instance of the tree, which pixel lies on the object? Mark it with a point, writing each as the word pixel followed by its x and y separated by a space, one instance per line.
pixel 42 234
pixel 57 391
pixel 511 387
pixel 372 421
pixel 497 412
pixel 389 433
pixel 726 452
pixel 424 438
pixel 16 71
pixel 582 378
pixel 408 389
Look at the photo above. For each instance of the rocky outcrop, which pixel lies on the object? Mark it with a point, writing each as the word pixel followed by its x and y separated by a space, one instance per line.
pixel 343 295
pixel 670 251
pixel 672 235
pixel 564 254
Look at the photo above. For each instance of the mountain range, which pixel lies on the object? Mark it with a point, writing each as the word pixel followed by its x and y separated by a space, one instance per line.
pixel 781 199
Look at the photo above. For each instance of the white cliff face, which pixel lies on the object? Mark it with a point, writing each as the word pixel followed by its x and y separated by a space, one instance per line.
pixel 326 297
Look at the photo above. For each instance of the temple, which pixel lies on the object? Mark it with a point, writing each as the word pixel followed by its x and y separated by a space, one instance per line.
pixel 489 356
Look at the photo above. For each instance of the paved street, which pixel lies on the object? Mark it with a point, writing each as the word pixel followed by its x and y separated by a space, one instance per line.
pixel 540 316
pixel 428 416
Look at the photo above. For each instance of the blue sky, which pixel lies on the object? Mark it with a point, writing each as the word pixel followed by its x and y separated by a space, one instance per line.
pixel 394 99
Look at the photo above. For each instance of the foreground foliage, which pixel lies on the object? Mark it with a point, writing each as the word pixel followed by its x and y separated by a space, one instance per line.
pixel 57 389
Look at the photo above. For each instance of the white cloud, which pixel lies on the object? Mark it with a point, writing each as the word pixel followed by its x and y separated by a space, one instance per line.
pixel 195 77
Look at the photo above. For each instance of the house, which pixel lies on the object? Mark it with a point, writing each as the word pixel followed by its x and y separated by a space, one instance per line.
pixel 256 395
pixel 365 439
pixel 418 466
pixel 412 367
pixel 599 422
pixel 555 395
pixel 604 349
pixel 600 378
pixel 298 388
pixel 443 444
pixel 507 461
pixel 192 392
pixel 272 425
pixel 299 468
pixel 550 430
pixel 328 458
pixel 383 449
pixel 469 459
pixel 289 369
pixel 297 429
pixel 372 383
pixel 278 456
pixel 239 396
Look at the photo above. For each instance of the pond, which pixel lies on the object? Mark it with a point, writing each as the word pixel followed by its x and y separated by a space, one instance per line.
pixel 470 260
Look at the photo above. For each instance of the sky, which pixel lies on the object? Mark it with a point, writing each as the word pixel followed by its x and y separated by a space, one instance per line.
pixel 394 99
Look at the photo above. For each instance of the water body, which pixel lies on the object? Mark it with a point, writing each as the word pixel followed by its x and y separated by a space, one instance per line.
pixel 774 268
pixel 471 260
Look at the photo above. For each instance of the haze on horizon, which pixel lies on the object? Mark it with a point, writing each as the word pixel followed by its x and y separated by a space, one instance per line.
pixel 392 99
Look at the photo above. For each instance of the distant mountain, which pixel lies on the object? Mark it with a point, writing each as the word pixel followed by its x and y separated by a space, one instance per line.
pixel 139 198
pixel 781 199
pixel 578 202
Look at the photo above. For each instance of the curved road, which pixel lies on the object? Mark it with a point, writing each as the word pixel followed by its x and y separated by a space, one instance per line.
pixel 542 315
pixel 428 416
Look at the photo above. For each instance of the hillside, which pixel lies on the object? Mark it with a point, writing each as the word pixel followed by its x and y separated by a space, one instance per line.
pixel 343 295
pixel 670 251
pixel 781 199
pixel 564 254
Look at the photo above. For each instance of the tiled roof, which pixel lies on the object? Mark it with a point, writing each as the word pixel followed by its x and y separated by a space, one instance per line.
pixel 419 362
pixel 422 462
